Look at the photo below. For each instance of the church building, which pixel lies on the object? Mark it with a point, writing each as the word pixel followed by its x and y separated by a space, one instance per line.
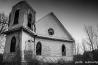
pixel 45 40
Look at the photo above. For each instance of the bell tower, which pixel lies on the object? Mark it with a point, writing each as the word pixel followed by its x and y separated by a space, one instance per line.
pixel 22 17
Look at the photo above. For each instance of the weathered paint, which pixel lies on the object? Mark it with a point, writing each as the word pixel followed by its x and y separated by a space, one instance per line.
pixel 26 42
pixel 53 48
pixel 50 21
pixel 27 46
pixel 23 13
pixel 50 48
pixel 8 56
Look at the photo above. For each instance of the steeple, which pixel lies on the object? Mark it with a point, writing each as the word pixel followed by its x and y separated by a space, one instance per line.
pixel 22 15
pixel 21 18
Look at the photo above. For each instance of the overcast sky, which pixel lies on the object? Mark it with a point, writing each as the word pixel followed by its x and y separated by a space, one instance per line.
pixel 72 13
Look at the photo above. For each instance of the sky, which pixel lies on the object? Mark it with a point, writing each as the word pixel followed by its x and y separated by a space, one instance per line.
pixel 73 14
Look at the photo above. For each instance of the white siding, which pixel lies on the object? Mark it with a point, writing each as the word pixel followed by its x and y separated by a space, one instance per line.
pixel 47 22
pixel 51 48
pixel 27 46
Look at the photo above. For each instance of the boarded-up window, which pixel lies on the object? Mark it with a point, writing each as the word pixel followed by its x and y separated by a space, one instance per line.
pixel 16 17
pixel 29 20
pixel 38 48
pixel 63 50
pixel 13 44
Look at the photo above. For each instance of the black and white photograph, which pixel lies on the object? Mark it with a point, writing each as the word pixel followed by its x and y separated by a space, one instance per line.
pixel 48 32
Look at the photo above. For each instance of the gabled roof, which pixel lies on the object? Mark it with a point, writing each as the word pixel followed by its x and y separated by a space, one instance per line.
pixel 51 13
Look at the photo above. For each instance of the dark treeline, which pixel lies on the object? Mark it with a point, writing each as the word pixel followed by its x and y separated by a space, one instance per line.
pixel 88 58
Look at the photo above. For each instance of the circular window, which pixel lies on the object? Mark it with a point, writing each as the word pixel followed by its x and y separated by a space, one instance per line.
pixel 50 31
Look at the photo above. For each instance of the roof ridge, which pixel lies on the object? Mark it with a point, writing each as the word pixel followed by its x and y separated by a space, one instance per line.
pixel 62 25
pixel 51 13
pixel 44 16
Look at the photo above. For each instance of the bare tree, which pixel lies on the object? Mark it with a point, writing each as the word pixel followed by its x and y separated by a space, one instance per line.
pixel 92 36
pixel 77 48
pixel 3 27
pixel 3 23
pixel 86 45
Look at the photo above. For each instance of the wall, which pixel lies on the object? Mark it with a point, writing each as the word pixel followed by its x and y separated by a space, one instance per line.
pixel 52 49
pixel 10 56
pixel 27 47
pixel 8 41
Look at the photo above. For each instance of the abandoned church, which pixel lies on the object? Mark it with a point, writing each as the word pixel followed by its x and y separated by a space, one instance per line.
pixel 26 39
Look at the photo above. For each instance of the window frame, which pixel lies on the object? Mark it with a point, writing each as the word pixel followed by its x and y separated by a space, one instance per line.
pixel 29 17
pixel 63 50
pixel 16 17
pixel 51 31
pixel 38 50
pixel 13 44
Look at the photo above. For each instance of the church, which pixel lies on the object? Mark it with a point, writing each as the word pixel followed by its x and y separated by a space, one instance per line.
pixel 46 40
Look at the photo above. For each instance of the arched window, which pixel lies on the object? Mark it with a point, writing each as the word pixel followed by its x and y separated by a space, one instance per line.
pixel 29 20
pixel 38 48
pixel 13 44
pixel 16 17
pixel 63 50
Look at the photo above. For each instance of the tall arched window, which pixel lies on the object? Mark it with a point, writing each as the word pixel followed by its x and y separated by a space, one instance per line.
pixel 29 20
pixel 63 50
pixel 16 17
pixel 13 44
pixel 38 48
